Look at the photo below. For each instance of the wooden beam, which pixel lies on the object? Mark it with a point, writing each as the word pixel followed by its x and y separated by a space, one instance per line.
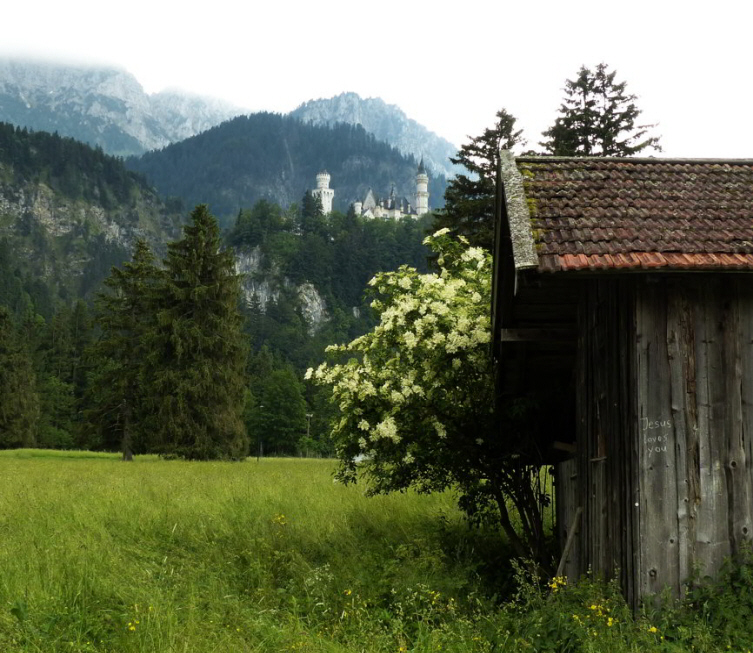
pixel 569 447
pixel 538 335
pixel 570 539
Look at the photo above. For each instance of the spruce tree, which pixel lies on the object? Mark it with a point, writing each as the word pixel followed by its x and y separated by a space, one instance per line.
pixel 19 402
pixel 117 416
pixel 195 352
pixel 597 118
pixel 469 199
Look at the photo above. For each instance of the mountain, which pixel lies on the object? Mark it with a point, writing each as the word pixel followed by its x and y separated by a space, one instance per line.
pixel 388 123
pixel 68 212
pixel 276 158
pixel 108 108
pixel 104 107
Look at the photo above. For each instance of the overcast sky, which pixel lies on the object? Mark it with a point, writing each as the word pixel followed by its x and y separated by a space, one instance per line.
pixel 448 68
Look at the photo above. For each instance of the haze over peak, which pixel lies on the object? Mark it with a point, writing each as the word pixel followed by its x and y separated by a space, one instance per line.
pixel 102 105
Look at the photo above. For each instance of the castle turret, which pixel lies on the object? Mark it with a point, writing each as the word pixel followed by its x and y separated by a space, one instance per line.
pixel 422 190
pixel 324 192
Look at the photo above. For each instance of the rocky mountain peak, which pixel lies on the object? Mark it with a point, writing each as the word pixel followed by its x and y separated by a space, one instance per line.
pixel 102 106
pixel 387 122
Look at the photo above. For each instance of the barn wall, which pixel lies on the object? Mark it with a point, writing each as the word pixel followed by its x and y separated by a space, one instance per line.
pixel 606 433
pixel 664 419
pixel 694 395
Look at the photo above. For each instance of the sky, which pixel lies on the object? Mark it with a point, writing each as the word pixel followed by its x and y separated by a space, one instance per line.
pixel 449 65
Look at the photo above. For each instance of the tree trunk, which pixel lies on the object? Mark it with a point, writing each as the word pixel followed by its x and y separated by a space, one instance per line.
pixel 127 443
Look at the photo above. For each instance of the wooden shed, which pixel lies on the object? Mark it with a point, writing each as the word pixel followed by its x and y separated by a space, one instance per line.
pixel 623 304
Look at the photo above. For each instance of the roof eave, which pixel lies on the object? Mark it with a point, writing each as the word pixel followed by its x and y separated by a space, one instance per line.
pixel 519 218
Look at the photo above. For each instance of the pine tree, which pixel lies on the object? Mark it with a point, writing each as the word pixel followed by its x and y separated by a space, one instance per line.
pixel 469 199
pixel 117 416
pixel 19 402
pixel 277 420
pixel 597 118
pixel 196 355
pixel 312 213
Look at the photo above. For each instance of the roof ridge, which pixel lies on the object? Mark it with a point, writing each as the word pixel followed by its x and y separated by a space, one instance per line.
pixel 629 159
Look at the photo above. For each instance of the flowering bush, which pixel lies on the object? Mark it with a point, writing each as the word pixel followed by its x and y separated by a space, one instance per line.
pixel 416 394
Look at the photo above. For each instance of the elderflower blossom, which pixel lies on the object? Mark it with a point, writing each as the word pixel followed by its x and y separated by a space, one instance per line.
pixel 463 323
pixel 367 390
pixel 387 429
pixel 437 339
pixel 481 336
pixel 401 366
pixel 440 308
pixel 472 254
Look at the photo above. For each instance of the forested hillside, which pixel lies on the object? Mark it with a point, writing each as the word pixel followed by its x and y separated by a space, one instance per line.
pixel 68 212
pixel 305 277
pixel 276 158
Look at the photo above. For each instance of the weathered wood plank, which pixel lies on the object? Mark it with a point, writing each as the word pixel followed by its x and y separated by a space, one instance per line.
pixel 734 458
pixel 681 360
pixel 567 505
pixel 657 460
pixel 745 335
pixel 539 335
pixel 712 543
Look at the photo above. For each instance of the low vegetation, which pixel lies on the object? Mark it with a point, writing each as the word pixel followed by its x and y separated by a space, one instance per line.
pixel 158 556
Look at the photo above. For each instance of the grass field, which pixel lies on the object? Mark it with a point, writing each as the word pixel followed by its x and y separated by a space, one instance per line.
pixel 273 556
pixel 100 555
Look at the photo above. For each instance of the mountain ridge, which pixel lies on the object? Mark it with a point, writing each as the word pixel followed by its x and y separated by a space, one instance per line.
pixel 388 122
pixel 107 107
pixel 276 158
pixel 102 106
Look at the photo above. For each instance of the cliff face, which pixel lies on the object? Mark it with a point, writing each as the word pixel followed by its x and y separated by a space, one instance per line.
pixel 387 122
pixel 69 245
pixel 104 107
pixel 260 287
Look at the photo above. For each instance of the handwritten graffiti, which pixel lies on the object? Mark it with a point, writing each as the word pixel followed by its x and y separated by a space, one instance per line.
pixel 655 442
pixel 650 425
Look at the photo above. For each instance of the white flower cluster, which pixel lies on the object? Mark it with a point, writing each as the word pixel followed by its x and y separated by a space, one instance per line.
pixel 407 378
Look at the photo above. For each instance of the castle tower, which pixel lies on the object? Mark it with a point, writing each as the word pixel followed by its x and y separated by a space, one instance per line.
pixel 324 192
pixel 422 190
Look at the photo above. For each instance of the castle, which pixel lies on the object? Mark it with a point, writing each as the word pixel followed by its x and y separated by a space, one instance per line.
pixel 324 192
pixel 373 207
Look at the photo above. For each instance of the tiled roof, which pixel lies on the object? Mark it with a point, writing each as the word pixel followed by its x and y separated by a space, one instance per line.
pixel 621 214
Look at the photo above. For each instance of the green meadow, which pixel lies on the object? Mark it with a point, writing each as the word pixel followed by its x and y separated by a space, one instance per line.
pixel 172 556
pixel 100 555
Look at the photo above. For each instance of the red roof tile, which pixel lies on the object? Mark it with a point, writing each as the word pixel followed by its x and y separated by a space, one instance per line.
pixel 599 214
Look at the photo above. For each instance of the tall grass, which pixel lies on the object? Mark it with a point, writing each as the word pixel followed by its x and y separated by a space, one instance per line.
pixel 155 556
pixel 99 555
